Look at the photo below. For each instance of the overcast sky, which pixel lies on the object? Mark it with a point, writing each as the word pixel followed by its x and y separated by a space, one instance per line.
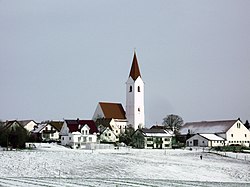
pixel 59 58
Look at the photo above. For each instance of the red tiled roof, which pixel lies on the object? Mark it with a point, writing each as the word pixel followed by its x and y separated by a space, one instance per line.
pixel 135 70
pixel 73 125
pixel 113 110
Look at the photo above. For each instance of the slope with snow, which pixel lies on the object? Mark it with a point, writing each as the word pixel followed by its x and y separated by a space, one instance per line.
pixel 58 166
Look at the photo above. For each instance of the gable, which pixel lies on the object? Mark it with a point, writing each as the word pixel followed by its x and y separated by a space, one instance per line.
pixel 238 127
pixel 10 124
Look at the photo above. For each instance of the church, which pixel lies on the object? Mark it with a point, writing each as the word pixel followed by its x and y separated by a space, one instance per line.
pixel 112 119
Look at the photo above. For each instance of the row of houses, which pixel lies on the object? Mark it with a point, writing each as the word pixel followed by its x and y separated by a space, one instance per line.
pixel 216 133
pixel 84 133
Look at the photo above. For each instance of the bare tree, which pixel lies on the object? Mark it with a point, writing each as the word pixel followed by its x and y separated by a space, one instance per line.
pixel 172 122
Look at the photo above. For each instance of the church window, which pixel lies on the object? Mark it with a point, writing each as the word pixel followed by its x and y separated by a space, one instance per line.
pixel 130 89
pixel 139 89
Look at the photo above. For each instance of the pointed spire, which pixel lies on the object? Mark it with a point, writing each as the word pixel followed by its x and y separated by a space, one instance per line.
pixel 135 71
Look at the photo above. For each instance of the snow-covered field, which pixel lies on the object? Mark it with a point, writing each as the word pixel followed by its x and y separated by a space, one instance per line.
pixel 59 166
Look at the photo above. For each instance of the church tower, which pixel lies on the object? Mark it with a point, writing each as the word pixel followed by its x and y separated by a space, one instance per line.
pixel 135 97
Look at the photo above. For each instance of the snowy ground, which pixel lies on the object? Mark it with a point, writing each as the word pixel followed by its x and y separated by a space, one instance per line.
pixel 59 166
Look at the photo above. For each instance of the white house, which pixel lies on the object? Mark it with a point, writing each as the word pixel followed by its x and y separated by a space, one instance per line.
pixel 47 131
pixel 78 133
pixel 205 140
pixel 152 138
pixel 232 131
pixel 29 125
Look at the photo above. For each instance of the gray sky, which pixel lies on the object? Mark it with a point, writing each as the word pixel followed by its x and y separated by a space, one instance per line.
pixel 59 58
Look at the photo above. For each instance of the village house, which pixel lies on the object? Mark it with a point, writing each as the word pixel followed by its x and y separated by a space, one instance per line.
pixel 28 124
pixel 78 134
pixel 155 138
pixel 205 140
pixel 47 131
pixel 13 134
pixel 216 133
pixel 110 120
pixel 108 129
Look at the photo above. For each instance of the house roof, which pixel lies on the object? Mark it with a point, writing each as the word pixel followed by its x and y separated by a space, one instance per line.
pixel 113 110
pixel 56 124
pixel 105 122
pixel 6 125
pixel 207 127
pixel 25 122
pixel 73 125
pixel 156 132
pixel 211 137
pixel 135 71
pixel 157 127
pixel 40 127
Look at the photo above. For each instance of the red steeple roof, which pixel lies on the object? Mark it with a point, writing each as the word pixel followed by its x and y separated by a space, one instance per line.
pixel 135 71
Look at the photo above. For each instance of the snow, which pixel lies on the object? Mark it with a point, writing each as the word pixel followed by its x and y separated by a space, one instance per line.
pixel 55 165
pixel 212 137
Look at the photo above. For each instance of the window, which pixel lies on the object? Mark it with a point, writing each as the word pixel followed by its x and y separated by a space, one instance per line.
pixel 238 125
pixel 245 135
pixel 52 135
pixel 130 89
pixel 90 139
pixel 69 138
pixel 203 142
pixel 167 139
pixel 62 138
pixel 109 134
pixel 139 89
pixel 139 109
pixel 106 134
pixel 149 139
pixel 116 131
pixel 232 135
